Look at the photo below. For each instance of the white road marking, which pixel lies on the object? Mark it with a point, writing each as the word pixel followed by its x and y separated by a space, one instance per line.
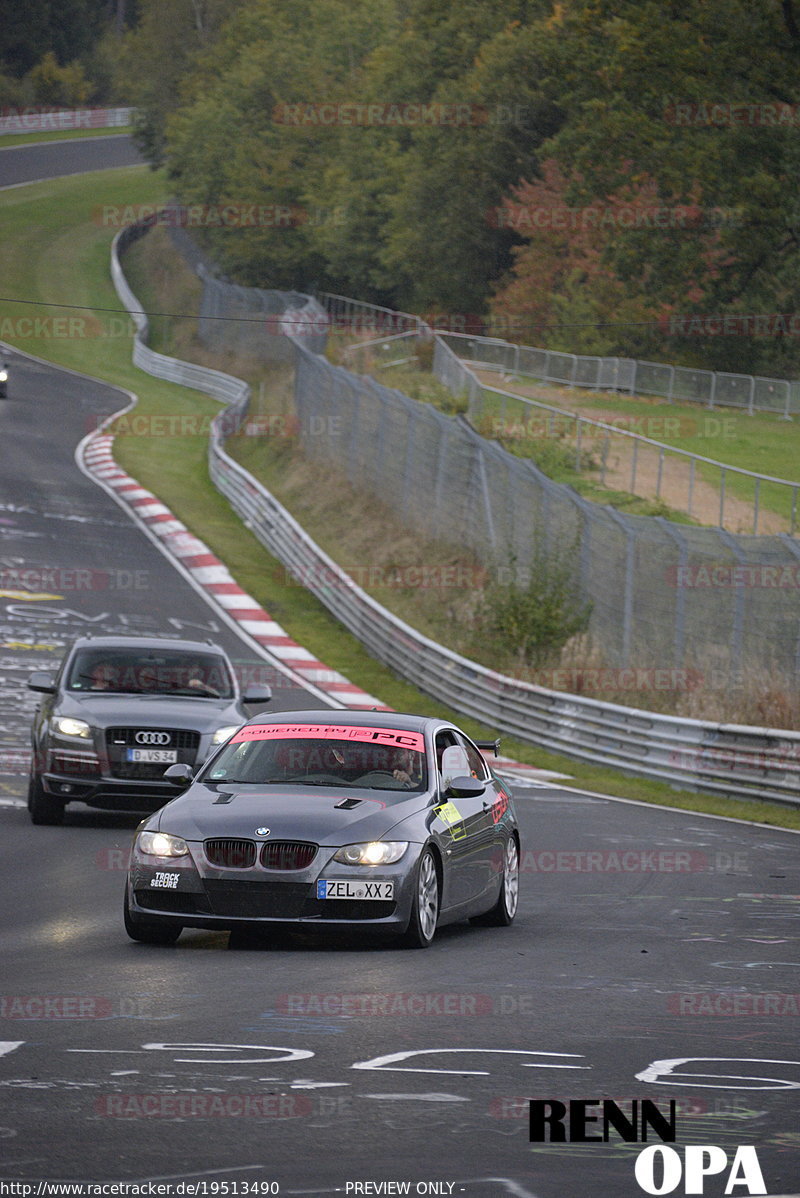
pixel 416 1097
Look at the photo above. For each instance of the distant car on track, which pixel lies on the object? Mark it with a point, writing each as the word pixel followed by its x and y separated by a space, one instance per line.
pixel 119 711
pixel 363 819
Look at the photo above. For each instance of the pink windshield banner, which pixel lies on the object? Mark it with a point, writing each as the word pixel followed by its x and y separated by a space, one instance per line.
pixel 375 736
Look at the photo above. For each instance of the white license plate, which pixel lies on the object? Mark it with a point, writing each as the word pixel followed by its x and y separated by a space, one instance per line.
pixel 352 889
pixel 164 756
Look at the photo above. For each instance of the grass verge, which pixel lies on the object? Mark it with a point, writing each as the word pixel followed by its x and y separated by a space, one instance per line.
pixel 53 252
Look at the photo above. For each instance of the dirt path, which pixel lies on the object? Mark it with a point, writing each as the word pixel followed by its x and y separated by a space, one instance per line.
pixel 642 476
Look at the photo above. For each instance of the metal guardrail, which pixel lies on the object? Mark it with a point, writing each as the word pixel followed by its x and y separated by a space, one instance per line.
pixel 357 316
pixel 732 760
pixel 682 384
pixel 456 373
pixel 37 120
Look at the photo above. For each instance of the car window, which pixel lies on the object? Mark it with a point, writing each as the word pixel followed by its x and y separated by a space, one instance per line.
pixel 146 671
pixel 343 757
pixel 445 739
pixel 477 766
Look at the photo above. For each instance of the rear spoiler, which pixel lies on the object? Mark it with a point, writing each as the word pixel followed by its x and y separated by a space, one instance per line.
pixel 494 745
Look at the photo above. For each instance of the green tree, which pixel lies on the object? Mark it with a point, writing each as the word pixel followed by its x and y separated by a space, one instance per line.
pixel 157 54
pixel 638 82
pixel 238 138
pixel 59 86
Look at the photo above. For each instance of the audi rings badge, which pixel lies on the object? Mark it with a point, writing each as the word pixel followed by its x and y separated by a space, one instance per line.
pixel 153 738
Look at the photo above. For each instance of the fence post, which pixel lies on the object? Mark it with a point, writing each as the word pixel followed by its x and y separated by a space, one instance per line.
pixel 627 599
pixel 755 506
pixel 794 550
pixel 737 630
pixel 679 637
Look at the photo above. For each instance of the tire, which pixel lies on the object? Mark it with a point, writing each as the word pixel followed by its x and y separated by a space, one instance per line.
pixel 149 931
pixel 43 808
pixel 425 909
pixel 504 910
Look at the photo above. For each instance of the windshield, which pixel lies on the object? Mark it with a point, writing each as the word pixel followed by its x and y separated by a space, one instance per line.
pixel 151 672
pixel 322 755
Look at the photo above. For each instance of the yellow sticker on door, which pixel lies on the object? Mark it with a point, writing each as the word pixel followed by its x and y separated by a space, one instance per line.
pixel 450 815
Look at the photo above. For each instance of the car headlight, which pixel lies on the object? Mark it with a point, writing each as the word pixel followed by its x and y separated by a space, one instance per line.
pixel 69 727
pixel 222 734
pixel 161 844
pixel 3 376
pixel 376 852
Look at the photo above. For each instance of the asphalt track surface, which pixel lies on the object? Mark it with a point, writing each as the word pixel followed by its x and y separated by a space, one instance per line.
pixel 73 156
pixel 320 1062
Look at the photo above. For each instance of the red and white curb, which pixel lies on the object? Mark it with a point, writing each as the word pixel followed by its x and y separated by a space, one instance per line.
pixel 212 577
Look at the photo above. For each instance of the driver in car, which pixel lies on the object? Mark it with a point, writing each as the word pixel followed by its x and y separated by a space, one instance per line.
pixel 405 768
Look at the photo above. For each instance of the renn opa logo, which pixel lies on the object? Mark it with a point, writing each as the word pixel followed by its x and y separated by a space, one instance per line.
pixel 659 1169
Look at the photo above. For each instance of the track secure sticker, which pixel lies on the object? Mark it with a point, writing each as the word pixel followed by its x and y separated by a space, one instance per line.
pixel 164 881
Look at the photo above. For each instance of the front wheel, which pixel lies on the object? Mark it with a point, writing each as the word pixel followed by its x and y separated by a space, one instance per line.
pixel 504 910
pixel 148 931
pixel 43 808
pixel 425 904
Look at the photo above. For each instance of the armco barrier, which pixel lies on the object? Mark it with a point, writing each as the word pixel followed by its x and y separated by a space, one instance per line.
pixel 224 387
pixel 738 761
pixel 39 120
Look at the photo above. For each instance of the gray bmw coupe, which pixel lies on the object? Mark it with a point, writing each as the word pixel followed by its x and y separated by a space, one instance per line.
pixel 373 819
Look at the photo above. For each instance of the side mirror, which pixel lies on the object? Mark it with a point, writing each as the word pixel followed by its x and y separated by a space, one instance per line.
pixel 464 788
pixel 179 774
pixel 42 680
pixel 257 694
